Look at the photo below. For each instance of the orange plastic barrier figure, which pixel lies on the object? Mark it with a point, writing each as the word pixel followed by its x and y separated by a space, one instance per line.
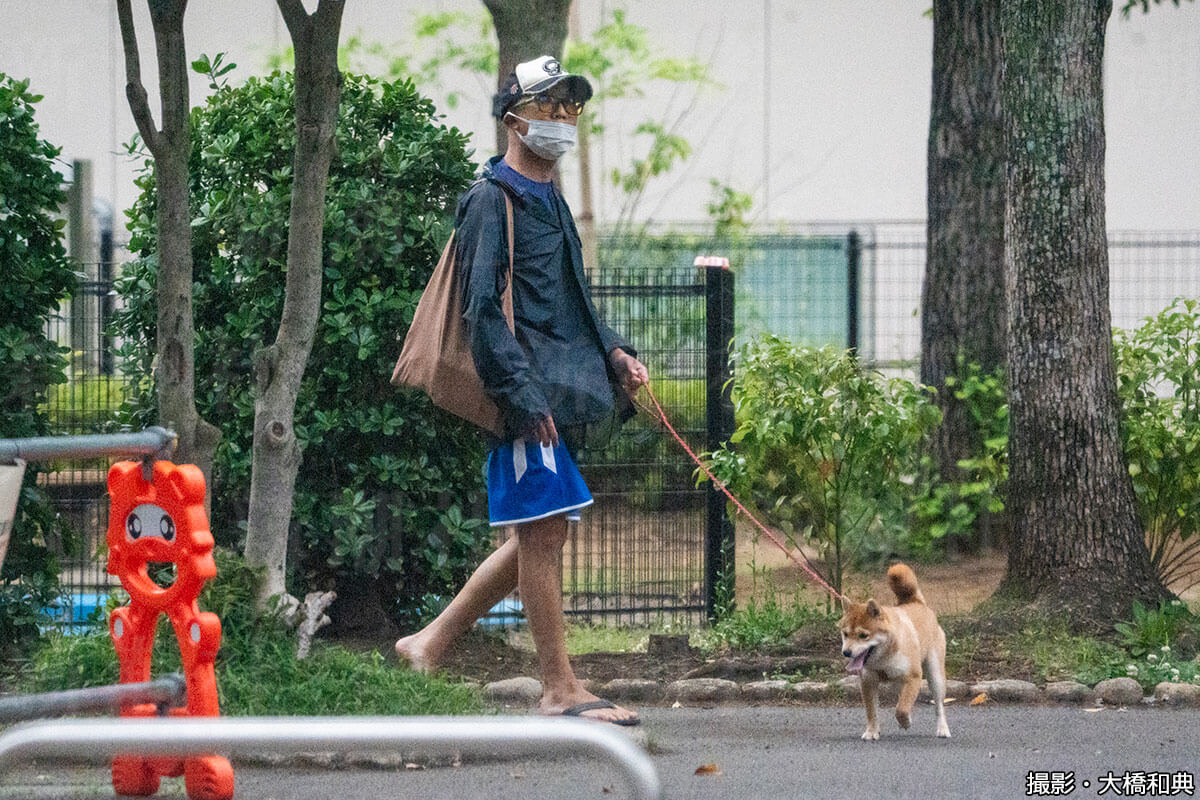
pixel 163 521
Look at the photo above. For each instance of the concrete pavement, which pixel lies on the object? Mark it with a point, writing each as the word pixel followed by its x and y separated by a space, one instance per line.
pixel 777 752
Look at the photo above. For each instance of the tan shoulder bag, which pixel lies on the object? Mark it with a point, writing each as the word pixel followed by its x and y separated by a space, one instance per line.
pixel 436 356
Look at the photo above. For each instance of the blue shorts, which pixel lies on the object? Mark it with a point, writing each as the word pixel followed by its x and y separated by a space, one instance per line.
pixel 528 482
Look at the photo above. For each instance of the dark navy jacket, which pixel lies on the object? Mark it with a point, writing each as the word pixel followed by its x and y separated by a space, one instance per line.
pixel 557 362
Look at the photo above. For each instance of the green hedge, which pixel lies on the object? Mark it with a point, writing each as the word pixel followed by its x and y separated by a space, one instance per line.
pixel 37 276
pixel 386 496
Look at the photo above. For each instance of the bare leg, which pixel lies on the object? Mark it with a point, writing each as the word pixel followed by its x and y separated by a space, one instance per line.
pixel 539 547
pixel 494 580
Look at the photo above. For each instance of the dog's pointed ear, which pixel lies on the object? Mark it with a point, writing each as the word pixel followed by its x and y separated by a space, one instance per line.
pixel 872 607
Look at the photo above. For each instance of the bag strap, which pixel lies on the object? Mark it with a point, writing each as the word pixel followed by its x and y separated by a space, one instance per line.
pixel 506 299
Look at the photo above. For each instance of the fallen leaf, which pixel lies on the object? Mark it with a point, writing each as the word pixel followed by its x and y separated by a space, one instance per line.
pixel 980 699
pixel 606 790
pixel 1092 710
pixel 708 769
pixel 949 699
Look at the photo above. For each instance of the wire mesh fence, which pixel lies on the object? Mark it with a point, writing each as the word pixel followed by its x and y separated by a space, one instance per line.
pixel 86 403
pixel 639 552
pixel 1147 272
pixel 644 553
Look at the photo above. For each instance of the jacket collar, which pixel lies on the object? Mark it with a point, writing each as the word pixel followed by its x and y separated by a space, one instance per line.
pixel 521 195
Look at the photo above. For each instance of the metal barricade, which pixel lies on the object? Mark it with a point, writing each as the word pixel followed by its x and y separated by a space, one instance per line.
pixel 517 737
pixel 165 692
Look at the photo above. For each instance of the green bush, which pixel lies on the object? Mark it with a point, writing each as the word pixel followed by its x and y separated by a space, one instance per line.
pixel 389 486
pixel 942 509
pixel 1158 382
pixel 822 445
pixel 37 276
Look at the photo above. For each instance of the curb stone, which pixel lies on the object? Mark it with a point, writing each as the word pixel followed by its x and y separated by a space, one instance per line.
pixel 523 691
pixel 1069 692
pixel 1119 692
pixel 766 691
pixel 526 691
pixel 814 691
pixel 703 690
pixel 637 690
pixel 1007 690
pixel 1177 694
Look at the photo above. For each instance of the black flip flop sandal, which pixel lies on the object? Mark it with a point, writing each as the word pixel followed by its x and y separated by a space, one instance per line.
pixel 578 709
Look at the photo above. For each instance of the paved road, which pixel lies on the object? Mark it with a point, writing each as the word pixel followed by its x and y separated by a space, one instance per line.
pixel 775 752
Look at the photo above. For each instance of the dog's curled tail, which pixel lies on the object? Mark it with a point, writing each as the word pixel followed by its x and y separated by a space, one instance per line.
pixel 904 583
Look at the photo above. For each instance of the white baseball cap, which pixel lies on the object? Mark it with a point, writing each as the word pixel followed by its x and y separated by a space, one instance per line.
pixel 533 77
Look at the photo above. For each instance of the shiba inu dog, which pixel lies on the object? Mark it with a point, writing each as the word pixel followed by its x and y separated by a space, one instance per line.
pixel 894 643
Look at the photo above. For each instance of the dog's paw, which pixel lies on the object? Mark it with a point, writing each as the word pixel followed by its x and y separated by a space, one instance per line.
pixel 870 735
pixel 904 719
pixel 943 731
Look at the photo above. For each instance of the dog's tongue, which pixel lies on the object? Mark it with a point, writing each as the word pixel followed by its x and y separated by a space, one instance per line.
pixel 856 664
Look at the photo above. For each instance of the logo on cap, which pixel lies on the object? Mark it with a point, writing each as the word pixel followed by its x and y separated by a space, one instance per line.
pixel 552 67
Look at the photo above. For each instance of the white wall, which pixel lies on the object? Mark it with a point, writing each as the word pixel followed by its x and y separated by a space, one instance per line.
pixel 826 101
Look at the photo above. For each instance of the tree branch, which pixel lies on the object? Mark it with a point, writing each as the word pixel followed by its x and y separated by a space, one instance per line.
pixel 294 16
pixel 167 17
pixel 329 13
pixel 139 104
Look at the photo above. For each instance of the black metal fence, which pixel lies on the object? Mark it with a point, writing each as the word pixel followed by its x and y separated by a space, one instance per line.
pixel 87 403
pixel 1147 271
pixel 654 545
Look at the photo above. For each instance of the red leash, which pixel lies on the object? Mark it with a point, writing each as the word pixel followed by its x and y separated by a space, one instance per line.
pixel 806 565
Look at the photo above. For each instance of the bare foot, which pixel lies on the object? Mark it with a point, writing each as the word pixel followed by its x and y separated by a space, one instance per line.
pixel 614 713
pixel 410 651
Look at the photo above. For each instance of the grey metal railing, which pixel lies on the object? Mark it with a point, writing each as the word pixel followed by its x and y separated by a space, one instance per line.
pixel 518 737
pixel 165 692
pixel 152 443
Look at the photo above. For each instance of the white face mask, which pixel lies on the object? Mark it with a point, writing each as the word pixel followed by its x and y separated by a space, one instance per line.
pixel 550 140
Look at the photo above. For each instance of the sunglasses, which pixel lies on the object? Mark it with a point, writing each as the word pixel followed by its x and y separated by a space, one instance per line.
pixel 546 104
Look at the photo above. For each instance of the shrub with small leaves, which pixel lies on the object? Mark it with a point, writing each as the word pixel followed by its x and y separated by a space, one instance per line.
pixel 37 276
pixel 1158 382
pixel 822 445
pixel 382 469
pixel 942 508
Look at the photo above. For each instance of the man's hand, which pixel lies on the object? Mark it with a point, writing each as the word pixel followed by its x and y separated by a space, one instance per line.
pixel 630 372
pixel 543 432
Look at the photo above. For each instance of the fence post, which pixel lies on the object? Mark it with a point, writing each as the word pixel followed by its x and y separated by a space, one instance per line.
pixel 84 303
pixel 719 536
pixel 853 273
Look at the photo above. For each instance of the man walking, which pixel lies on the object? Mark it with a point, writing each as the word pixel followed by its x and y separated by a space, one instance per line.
pixel 560 370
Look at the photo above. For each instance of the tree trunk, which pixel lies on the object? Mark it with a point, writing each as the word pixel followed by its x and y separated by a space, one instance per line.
pixel 586 218
pixel 171 147
pixel 963 314
pixel 1076 542
pixel 526 29
pixel 279 368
